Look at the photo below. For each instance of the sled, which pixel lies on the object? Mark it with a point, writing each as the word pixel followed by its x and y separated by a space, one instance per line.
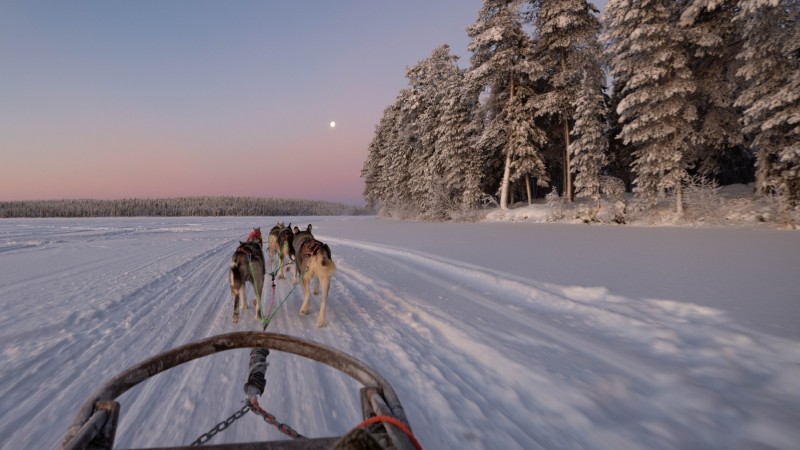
pixel 94 426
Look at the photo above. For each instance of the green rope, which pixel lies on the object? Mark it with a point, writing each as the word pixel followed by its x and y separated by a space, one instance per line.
pixel 265 322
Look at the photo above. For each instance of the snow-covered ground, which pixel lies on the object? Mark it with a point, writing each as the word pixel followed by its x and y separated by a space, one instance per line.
pixel 494 335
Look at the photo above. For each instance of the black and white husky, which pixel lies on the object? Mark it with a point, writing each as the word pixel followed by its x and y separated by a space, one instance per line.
pixel 247 265
pixel 312 258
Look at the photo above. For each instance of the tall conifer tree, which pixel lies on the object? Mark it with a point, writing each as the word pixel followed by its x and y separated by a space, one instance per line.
pixel 647 49
pixel 502 64
pixel 770 71
pixel 567 33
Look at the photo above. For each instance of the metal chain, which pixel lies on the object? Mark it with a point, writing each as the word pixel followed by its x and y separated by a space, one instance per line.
pixel 221 426
pixel 270 419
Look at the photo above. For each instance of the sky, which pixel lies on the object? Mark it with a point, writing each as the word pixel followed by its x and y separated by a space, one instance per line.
pixel 620 337
pixel 168 98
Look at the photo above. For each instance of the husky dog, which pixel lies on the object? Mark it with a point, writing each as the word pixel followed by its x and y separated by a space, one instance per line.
pixel 247 264
pixel 312 258
pixel 285 237
pixel 272 242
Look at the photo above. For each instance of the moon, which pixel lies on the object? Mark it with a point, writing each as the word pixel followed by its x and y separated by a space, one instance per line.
pixel 333 124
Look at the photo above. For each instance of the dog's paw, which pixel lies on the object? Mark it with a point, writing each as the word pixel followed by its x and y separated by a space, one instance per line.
pixel 235 319
pixel 303 312
pixel 320 324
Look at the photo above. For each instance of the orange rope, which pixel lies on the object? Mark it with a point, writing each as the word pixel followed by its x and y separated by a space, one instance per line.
pixel 394 422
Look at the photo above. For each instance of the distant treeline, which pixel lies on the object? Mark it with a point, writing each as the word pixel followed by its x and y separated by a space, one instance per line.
pixel 183 206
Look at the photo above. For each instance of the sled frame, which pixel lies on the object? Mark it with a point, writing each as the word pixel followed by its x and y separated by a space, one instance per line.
pixel 94 426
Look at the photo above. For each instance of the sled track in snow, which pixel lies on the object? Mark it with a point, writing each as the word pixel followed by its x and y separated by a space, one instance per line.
pixel 478 357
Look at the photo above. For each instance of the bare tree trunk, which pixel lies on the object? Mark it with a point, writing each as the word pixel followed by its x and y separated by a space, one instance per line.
pixel 679 198
pixel 567 163
pixel 506 182
pixel 528 188
pixel 567 169
pixel 507 169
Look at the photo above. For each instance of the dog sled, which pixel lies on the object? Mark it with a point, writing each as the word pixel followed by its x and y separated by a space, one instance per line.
pixel 385 424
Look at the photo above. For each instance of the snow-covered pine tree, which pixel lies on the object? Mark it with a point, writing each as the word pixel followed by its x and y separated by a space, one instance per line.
pixel 377 188
pixel 770 70
pixel 419 109
pixel 500 64
pixel 713 41
pixel 589 149
pixel 567 33
pixel 456 163
pixel 436 85
pixel 647 49
pixel 620 154
pixel 395 133
pixel 419 160
pixel 525 140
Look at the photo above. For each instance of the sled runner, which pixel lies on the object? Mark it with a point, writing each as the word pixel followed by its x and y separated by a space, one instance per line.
pixel 385 424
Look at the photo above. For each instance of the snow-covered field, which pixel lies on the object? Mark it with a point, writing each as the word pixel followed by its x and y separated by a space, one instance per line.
pixel 494 335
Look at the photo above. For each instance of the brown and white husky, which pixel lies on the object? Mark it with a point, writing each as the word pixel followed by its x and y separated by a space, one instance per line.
pixel 312 259
pixel 279 242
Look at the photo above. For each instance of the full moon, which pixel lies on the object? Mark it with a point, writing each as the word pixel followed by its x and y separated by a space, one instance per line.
pixel 333 124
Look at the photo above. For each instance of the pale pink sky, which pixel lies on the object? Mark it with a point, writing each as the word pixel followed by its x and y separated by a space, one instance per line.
pixel 161 99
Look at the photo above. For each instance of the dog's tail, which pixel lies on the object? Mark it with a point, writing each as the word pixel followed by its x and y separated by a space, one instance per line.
pixel 326 261
pixel 236 278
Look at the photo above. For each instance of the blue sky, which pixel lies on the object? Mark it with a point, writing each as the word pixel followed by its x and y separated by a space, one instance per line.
pixel 182 98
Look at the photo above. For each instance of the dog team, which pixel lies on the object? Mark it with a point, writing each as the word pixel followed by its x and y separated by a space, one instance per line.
pixel 311 258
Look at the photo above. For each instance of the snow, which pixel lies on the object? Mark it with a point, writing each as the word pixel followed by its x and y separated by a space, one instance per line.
pixel 493 334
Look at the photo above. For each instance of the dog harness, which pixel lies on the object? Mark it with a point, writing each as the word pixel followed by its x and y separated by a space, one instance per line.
pixel 311 247
pixel 255 236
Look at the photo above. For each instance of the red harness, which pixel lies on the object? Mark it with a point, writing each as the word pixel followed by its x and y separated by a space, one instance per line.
pixel 255 236
pixel 310 248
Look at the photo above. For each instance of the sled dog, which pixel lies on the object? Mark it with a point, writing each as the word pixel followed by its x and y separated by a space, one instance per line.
pixel 312 259
pixel 247 265
pixel 285 237
pixel 272 242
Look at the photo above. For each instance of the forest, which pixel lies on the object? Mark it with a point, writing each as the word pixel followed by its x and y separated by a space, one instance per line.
pixel 174 207
pixel 559 100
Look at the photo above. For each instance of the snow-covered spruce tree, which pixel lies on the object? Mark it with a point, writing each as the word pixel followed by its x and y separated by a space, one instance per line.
pixel 442 159
pixel 646 48
pixel 419 162
pixel 770 71
pixel 589 149
pixel 436 83
pixel 567 33
pixel 501 63
pixel 395 165
pixel 713 42
pixel 620 154
pixel 420 110
pixel 377 188
pixel 456 163
pixel 525 140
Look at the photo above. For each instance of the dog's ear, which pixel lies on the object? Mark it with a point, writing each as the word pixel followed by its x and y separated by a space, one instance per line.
pixel 241 243
pixel 309 228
